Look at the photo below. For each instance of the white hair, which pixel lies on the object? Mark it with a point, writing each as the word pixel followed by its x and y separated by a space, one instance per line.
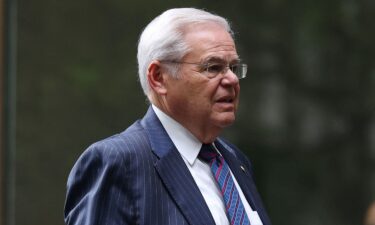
pixel 163 39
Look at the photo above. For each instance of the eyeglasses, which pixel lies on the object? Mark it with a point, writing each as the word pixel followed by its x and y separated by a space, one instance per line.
pixel 212 69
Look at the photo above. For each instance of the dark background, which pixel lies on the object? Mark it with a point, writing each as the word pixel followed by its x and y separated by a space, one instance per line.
pixel 307 113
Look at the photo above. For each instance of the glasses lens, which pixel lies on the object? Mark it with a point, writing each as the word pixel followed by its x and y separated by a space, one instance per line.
pixel 240 70
pixel 215 69
pixel 243 71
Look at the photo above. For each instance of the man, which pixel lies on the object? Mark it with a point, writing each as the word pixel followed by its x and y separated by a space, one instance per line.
pixel 155 171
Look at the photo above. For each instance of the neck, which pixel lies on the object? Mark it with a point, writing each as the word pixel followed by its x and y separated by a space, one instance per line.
pixel 204 134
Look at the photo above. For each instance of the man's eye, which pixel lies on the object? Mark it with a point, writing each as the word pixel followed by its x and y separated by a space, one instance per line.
pixel 215 68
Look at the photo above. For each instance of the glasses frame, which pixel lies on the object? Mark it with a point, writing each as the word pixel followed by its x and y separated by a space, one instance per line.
pixel 206 66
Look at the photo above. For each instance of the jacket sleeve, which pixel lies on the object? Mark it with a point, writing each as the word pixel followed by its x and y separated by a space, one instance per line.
pixel 97 191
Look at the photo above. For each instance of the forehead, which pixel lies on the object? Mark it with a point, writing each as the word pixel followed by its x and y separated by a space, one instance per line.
pixel 209 41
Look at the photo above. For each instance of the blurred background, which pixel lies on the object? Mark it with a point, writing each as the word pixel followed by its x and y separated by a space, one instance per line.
pixel 306 118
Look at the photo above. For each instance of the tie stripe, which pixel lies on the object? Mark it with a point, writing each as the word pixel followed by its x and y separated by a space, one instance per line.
pixel 235 210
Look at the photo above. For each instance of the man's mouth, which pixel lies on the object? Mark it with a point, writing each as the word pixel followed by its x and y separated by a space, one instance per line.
pixel 226 99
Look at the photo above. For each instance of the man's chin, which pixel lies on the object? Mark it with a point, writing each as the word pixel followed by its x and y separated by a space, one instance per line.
pixel 226 120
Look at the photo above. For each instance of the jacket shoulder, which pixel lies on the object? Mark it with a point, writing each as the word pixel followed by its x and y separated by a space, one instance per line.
pixel 105 169
pixel 132 139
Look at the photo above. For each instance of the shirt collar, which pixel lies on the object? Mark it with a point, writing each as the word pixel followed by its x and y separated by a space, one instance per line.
pixel 186 143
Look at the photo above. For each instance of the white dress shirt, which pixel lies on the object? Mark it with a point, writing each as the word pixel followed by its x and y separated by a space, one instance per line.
pixel 189 146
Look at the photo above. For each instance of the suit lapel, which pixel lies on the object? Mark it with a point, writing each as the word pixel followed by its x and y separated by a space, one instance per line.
pixel 244 179
pixel 174 173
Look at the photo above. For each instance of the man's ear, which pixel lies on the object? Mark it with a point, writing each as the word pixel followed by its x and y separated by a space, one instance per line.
pixel 155 78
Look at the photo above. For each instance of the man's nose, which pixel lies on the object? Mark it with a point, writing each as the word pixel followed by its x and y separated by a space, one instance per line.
pixel 229 78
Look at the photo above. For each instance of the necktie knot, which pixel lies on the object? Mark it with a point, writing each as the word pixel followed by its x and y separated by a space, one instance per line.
pixel 207 153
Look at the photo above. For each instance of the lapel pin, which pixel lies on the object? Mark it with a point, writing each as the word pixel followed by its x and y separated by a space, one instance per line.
pixel 243 169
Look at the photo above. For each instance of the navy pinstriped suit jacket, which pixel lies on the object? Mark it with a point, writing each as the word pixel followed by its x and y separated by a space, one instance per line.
pixel 139 177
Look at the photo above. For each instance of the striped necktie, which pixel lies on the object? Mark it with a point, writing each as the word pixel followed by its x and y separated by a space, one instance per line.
pixel 220 169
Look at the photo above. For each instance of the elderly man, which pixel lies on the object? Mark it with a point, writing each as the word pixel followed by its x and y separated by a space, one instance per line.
pixel 171 167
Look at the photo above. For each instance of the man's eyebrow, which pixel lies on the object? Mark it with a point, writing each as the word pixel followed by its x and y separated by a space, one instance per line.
pixel 220 60
pixel 214 59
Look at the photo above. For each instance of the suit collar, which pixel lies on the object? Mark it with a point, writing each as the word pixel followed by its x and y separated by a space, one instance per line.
pixel 160 142
pixel 174 173
pixel 181 185
pixel 186 143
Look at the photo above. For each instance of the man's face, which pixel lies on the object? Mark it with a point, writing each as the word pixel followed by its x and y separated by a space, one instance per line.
pixel 200 103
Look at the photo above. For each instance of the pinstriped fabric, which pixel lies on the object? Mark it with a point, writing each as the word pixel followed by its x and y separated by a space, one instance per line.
pixel 176 176
pixel 117 181
pixel 136 177
pixel 114 182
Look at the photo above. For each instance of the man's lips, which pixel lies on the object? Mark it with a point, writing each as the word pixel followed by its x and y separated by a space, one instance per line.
pixel 225 99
